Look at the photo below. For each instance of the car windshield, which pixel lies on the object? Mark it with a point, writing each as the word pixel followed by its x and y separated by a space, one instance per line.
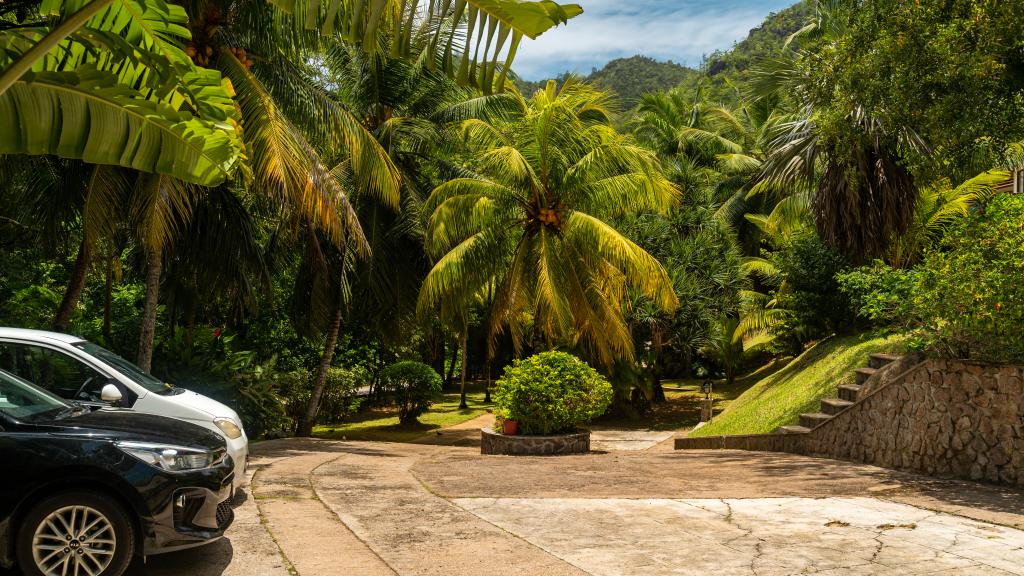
pixel 22 400
pixel 125 367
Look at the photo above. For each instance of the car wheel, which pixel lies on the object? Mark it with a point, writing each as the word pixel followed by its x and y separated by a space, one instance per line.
pixel 76 534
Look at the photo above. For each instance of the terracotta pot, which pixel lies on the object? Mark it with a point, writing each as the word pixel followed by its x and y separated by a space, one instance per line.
pixel 510 427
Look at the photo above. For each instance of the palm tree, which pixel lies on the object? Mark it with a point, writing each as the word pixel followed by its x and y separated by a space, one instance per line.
pixel 529 220
pixel 407 108
pixel 710 146
pixel 733 338
pixel 319 298
pixel 863 194
pixel 937 206
pixel 125 60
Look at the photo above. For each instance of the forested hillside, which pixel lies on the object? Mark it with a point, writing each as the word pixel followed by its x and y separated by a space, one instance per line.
pixel 719 75
pixel 725 73
pixel 630 77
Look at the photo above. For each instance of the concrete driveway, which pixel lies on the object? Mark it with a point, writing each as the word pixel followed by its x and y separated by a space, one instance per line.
pixel 320 508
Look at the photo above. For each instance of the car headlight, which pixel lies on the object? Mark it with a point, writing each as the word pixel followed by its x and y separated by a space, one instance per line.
pixel 171 458
pixel 228 427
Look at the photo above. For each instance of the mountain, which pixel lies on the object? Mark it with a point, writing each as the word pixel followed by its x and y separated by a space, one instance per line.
pixel 726 71
pixel 630 78
pixel 719 77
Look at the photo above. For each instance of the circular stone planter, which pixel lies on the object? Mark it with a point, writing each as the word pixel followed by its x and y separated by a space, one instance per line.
pixel 492 442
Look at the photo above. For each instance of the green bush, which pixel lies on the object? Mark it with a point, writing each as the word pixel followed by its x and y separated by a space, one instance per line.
pixel 817 306
pixel 551 393
pixel 970 288
pixel 209 365
pixel 295 386
pixel 880 294
pixel 413 385
pixel 339 399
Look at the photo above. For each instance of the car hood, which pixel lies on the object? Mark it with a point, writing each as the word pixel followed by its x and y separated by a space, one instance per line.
pixel 126 425
pixel 204 403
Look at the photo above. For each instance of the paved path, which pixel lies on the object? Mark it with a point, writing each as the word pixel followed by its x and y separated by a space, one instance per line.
pixel 440 510
pixel 763 536
pixel 322 508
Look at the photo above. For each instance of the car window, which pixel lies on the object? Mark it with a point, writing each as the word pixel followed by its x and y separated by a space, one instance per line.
pixel 55 371
pixel 23 401
pixel 125 367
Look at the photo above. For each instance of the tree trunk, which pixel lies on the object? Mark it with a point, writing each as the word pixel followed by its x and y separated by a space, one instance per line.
pixel 687 364
pixel 658 392
pixel 148 332
pixel 309 420
pixel 378 384
pixel 487 390
pixel 451 366
pixel 465 358
pixel 75 286
pixel 437 346
pixel 108 301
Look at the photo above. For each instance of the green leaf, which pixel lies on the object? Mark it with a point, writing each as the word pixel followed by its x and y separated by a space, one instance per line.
pixel 88 115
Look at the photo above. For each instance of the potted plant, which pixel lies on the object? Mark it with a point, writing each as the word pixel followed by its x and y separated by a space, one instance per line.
pixel 509 427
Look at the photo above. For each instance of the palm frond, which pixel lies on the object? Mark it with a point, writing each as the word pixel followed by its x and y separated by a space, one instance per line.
pixel 287 166
pixel 86 114
pixel 464 38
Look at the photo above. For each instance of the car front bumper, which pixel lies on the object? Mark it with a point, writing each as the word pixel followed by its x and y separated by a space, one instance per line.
pixel 195 515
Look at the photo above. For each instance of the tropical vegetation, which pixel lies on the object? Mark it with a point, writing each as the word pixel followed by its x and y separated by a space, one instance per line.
pixel 278 203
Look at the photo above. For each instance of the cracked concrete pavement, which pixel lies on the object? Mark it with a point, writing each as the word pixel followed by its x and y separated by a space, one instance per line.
pixel 763 536
pixel 320 508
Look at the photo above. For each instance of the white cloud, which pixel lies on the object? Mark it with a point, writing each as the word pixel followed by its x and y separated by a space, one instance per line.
pixel 682 31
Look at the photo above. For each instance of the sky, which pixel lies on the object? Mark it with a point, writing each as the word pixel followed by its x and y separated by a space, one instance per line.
pixel 679 30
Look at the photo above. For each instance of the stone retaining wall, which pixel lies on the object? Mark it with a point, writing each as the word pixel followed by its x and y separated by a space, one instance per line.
pixel 494 443
pixel 941 417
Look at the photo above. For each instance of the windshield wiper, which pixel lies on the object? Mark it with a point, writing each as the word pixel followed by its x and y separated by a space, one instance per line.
pixel 72 409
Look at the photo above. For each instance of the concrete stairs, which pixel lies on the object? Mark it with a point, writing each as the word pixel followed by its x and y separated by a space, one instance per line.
pixel 847 397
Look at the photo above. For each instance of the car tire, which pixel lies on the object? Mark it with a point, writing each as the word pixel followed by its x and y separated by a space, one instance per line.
pixel 101 542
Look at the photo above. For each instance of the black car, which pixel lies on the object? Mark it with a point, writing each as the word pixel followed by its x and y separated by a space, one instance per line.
pixel 83 492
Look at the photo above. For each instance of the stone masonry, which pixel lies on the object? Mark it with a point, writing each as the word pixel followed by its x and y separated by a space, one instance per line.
pixel 494 443
pixel 940 417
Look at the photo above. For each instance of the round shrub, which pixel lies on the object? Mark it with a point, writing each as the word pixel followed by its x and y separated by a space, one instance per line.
pixel 970 288
pixel 413 385
pixel 551 393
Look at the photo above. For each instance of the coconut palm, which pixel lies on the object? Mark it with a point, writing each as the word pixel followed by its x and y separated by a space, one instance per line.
pixel 710 146
pixel 530 219
pixel 407 108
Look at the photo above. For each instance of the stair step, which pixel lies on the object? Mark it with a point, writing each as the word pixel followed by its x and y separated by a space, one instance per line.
pixel 792 430
pixel 879 360
pixel 864 373
pixel 849 392
pixel 833 406
pixel 814 419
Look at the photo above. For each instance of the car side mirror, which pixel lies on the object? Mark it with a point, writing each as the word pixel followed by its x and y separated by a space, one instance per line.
pixel 111 394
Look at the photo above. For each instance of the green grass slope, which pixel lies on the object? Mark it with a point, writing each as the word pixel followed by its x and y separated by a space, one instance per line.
pixel 780 398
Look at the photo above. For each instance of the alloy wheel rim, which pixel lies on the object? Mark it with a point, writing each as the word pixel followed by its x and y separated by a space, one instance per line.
pixel 74 541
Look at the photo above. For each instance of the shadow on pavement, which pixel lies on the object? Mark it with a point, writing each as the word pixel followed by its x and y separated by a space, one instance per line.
pixel 210 560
